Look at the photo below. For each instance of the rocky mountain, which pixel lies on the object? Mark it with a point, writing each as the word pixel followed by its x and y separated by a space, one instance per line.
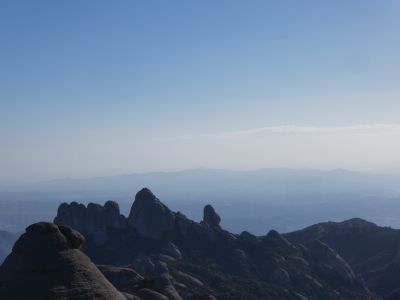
pixel 183 259
pixel 372 251
pixel 94 252
pixel 46 263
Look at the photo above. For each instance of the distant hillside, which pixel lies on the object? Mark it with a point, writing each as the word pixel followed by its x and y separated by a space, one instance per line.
pixel 227 183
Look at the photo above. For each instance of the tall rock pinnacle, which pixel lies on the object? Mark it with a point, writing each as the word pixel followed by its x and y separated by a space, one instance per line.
pixel 210 217
pixel 149 216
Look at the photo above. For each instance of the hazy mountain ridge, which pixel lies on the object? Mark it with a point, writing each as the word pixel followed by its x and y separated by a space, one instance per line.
pixel 263 181
pixel 285 199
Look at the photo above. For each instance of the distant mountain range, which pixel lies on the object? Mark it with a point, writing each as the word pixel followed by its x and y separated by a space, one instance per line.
pixel 228 183
pixel 286 199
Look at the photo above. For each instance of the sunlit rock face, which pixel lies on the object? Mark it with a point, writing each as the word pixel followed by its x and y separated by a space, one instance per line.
pixel 149 216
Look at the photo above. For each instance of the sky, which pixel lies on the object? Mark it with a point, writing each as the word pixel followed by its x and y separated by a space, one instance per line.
pixel 93 88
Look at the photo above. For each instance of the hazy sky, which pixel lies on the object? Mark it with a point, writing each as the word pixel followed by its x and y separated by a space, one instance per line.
pixel 107 87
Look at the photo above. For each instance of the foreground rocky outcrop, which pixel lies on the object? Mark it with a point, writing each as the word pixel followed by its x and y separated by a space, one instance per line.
pixel 47 263
pixel 183 259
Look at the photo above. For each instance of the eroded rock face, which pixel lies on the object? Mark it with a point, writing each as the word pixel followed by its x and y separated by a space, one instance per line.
pixel 210 217
pixel 92 220
pixel 47 263
pixel 124 279
pixel 330 263
pixel 149 216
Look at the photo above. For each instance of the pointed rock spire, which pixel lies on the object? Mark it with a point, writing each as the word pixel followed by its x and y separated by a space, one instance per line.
pixel 210 217
pixel 149 216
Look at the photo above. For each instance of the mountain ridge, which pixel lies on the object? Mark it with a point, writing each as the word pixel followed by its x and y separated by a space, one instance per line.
pixel 152 235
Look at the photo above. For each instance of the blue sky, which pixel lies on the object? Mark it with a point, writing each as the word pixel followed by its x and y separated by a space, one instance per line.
pixel 104 87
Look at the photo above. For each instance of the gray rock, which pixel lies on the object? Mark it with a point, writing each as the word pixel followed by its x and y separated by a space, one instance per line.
pixel 248 238
pixel 210 217
pixel 163 285
pixel 149 216
pixel 93 220
pixel 112 216
pixel 280 276
pixel 183 222
pixel 330 263
pixel 172 250
pixel 274 239
pixel 124 279
pixel 143 264
pixel 165 258
pixel 147 294
pixel 47 263
pixel 188 279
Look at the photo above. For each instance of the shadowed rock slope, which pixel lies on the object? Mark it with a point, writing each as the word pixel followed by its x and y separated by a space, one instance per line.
pixel 46 263
pixel 183 259
pixel 372 251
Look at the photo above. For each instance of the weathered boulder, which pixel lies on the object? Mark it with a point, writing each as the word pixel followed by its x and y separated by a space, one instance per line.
pixel 46 262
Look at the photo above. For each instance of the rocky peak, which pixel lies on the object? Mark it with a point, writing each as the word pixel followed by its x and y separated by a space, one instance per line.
pixel 210 217
pixel 46 263
pixel 47 237
pixel 149 216
pixel 92 220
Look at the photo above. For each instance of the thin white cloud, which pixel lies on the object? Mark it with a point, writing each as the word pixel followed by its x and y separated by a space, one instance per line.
pixel 296 129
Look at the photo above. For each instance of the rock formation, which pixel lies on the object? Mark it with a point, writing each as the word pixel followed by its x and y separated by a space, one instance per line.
pixel 94 220
pixel 180 258
pixel 370 250
pixel 46 263
pixel 149 216
pixel 210 217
